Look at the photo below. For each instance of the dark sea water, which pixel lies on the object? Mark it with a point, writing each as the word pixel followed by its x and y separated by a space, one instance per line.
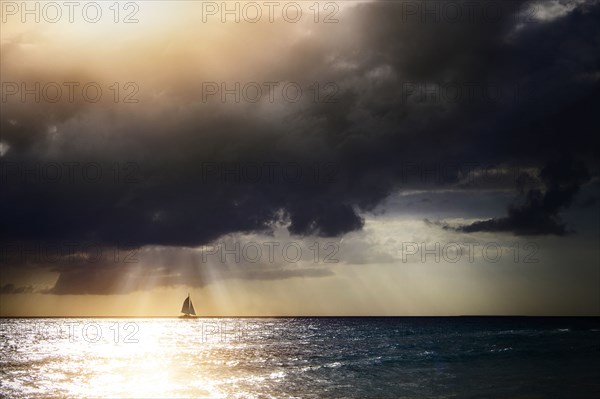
pixel 301 358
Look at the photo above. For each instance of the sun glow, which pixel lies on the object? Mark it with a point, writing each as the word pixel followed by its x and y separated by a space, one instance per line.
pixel 131 358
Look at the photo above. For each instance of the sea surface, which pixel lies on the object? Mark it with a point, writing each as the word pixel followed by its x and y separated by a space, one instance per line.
pixel 461 357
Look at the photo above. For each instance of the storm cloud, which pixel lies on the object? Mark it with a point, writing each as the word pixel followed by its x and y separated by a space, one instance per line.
pixel 539 214
pixel 407 96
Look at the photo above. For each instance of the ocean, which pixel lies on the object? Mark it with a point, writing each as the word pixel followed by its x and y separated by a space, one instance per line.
pixel 397 357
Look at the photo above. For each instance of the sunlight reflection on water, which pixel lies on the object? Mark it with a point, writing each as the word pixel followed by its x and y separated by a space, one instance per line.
pixel 125 358
pixel 298 357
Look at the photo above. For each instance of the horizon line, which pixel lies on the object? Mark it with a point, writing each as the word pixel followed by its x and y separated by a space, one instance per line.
pixel 298 317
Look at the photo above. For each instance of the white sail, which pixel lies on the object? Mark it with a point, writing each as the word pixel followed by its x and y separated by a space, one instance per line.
pixel 191 308
pixel 188 307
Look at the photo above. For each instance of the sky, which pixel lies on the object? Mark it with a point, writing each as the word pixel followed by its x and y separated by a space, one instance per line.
pixel 300 158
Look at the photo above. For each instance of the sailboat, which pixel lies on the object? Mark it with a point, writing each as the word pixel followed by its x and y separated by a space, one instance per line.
pixel 188 308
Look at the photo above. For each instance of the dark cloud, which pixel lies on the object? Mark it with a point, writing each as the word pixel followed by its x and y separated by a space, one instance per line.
pixel 168 147
pixel 106 280
pixel 539 214
pixel 590 202
pixel 12 289
pixel 111 280
pixel 84 269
